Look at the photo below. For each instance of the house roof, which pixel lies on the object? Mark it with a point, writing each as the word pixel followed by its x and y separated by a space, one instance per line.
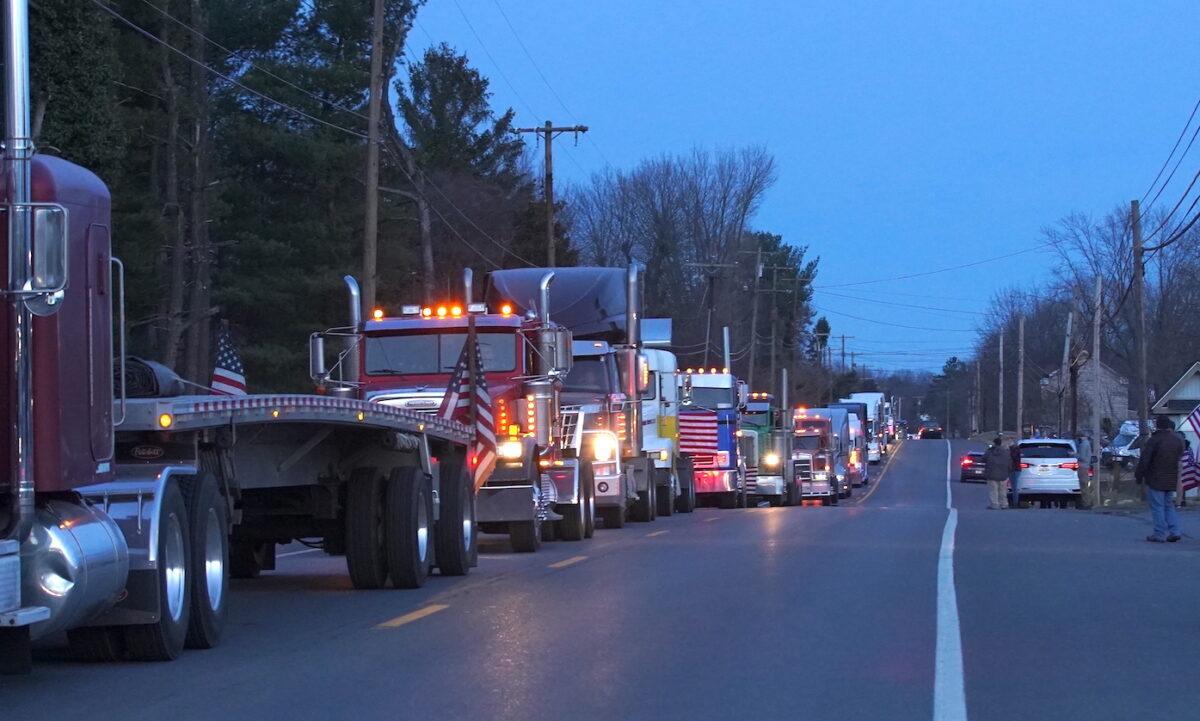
pixel 1185 392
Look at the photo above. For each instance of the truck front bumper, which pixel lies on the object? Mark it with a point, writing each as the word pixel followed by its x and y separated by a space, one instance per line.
pixel 818 489
pixel 770 486
pixel 607 479
pixel 710 481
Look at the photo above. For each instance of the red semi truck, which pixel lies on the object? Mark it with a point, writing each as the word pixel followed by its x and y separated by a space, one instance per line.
pixel 121 518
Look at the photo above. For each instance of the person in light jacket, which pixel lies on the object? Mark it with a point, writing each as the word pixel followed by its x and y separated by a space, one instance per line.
pixel 997 466
pixel 1083 455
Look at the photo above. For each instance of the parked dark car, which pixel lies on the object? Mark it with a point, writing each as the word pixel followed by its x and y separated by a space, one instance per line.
pixel 931 432
pixel 972 466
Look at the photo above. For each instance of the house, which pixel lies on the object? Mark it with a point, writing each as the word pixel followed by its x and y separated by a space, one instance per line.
pixel 1114 393
pixel 1182 398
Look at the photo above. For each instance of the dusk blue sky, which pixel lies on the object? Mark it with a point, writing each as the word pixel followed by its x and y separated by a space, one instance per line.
pixel 909 136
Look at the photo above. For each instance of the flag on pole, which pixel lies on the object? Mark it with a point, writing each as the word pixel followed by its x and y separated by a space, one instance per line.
pixel 1193 420
pixel 229 375
pixel 456 406
pixel 1189 472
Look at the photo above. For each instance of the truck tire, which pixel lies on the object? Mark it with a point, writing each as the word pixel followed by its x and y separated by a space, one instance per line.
pixel 587 481
pixel 96 644
pixel 573 526
pixel 407 526
pixel 613 516
pixel 454 541
pixel 665 491
pixel 525 536
pixel 163 640
pixel 686 503
pixel 208 520
pixel 366 560
pixel 644 507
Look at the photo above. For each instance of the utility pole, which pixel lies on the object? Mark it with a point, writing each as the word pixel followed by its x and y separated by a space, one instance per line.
pixel 548 132
pixel 1001 427
pixel 774 324
pixel 853 365
pixel 1096 316
pixel 843 352
pixel 976 407
pixel 1062 375
pixel 371 222
pixel 1139 302
pixel 1020 377
pixel 758 268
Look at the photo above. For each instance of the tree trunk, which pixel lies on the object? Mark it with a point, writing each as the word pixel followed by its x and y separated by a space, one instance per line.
pixel 173 235
pixel 426 236
pixel 199 325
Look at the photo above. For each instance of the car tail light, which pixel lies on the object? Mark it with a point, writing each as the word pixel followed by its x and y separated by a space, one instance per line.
pixel 1024 465
pixel 1070 465
pixel 966 461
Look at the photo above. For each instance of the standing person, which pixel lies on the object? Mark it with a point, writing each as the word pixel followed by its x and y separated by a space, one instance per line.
pixel 1014 473
pixel 1158 468
pixel 997 466
pixel 1083 454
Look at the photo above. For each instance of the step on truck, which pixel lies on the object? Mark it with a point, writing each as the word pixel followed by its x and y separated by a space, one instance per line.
pixel 406 360
pixel 126 509
pixel 602 394
pixel 708 435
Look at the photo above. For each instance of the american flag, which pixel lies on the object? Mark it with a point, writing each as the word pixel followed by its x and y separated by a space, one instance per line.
pixel 698 431
pixel 1193 420
pixel 456 406
pixel 229 375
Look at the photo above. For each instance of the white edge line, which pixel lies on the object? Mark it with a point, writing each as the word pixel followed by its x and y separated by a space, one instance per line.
pixel 297 553
pixel 949 694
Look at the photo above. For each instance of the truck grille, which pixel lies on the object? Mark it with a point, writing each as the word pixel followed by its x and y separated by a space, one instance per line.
pixel 802 467
pixel 570 426
pixel 704 460
pixel 751 478
pixel 10 576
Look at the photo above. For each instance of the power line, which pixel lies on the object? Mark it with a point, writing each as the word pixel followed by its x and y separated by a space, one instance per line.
pixel 1175 147
pixel 894 325
pixel 199 63
pixel 1038 247
pixel 232 54
pixel 542 75
pixel 899 305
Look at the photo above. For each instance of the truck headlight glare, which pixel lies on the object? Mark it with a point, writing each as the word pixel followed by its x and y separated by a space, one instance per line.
pixel 603 448
pixel 510 450
pixel 771 460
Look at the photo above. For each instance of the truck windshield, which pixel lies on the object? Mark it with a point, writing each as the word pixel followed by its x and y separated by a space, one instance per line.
pixel 588 375
pixel 757 419
pixel 712 397
pixel 807 443
pixel 430 353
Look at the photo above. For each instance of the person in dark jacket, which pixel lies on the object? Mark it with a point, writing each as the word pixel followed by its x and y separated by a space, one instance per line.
pixel 1158 468
pixel 996 467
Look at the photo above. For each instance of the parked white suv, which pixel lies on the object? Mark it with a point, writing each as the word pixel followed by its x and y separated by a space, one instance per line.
pixel 1049 472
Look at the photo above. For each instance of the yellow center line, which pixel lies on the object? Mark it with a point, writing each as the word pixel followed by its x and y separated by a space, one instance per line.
pixel 416 615
pixel 656 533
pixel 882 473
pixel 567 562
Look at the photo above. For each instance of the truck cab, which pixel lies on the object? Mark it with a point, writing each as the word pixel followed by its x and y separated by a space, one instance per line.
pixel 407 361
pixel 762 420
pixel 814 456
pixel 708 427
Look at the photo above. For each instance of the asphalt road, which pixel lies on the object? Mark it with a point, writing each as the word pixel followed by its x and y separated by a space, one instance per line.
pixel 766 613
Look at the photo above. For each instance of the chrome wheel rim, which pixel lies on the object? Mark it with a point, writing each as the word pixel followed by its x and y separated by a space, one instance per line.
pixel 214 560
pixel 468 524
pixel 174 567
pixel 422 529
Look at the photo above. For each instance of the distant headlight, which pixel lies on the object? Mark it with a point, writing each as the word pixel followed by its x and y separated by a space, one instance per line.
pixel 820 476
pixel 771 460
pixel 664 455
pixel 604 447
pixel 510 450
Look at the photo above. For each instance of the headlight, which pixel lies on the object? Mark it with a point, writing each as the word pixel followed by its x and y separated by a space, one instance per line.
pixel 820 476
pixel 664 455
pixel 604 447
pixel 510 450
pixel 840 477
pixel 771 460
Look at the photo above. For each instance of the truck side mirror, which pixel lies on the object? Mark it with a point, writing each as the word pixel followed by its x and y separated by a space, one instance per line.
pixel 316 358
pixel 48 244
pixel 685 395
pixel 563 358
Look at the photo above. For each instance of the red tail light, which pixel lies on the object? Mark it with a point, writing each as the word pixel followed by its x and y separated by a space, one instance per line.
pixel 1070 465
pixel 966 461
pixel 1024 466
